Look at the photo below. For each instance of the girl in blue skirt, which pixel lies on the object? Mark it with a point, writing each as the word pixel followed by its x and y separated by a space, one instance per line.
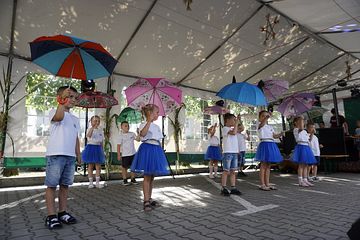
pixel 267 152
pixel 150 158
pixel 302 154
pixel 93 153
pixel 213 153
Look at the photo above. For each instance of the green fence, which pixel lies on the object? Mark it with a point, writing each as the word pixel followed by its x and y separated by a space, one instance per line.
pixel 39 162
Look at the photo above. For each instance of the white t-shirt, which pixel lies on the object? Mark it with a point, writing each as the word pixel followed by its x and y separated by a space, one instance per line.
pixel 126 140
pixel 242 141
pixel 266 133
pixel 230 141
pixel 154 132
pixel 97 137
pixel 214 141
pixel 63 135
pixel 314 145
pixel 301 137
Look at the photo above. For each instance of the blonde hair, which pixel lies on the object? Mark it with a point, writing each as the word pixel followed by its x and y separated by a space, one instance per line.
pixel 148 108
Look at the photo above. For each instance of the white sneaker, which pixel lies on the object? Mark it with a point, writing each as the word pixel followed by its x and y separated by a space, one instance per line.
pixel 98 185
pixel 211 176
pixel 91 186
pixel 215 175
pixel 308 183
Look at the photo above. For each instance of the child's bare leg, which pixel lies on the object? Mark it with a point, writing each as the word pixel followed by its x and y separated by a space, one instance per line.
pixel 90 170
pixel 224 178
pixel 300 173
pixel 50 200
pixel 146 187
pixel 215 163
pixel 267 174
pixel 124 173
pixel 315 169
pixel 211 168
pixel 98 169
pixel 132 175
pixel 232 178
pixel 262 173
pixel 63 195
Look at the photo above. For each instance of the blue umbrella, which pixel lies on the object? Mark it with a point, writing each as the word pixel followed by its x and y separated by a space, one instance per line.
pixel 244 93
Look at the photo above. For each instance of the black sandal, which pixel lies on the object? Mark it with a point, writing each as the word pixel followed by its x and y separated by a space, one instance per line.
pixel 154 203
pixel 147 206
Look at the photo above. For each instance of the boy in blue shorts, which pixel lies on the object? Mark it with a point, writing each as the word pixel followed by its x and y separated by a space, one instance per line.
pixel 230 150
pixel 62 149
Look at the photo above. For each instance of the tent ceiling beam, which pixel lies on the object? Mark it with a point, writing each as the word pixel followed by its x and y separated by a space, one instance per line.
pixel 181 85
pixel 316 70
pixel 136 29
pixel 221 44
pixel 305 29
pixel 341 89
pixel 333 84
pixel 277 59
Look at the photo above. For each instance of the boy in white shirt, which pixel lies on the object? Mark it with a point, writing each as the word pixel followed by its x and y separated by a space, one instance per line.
pixel 62 150
pixel 126 151
pixel 242 138
pixel 315 147
pixel 231 150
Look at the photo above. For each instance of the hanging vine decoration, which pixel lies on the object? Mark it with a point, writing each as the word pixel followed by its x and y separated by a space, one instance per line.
pixel 269 28
pixel 348 70
pixel 188 3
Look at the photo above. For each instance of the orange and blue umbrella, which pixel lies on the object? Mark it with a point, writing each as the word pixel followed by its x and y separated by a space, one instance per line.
pixel 72 57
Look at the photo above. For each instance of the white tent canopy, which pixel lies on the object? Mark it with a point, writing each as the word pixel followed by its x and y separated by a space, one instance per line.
pixel 202 48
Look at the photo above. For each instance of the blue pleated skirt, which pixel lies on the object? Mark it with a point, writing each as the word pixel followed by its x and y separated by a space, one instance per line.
pixel 303 155
pixel 213 153
pixel 268 152
pixel 150 160
pixel 93 154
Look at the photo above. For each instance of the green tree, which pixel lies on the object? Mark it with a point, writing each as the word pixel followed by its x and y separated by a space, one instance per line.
pixel 41 90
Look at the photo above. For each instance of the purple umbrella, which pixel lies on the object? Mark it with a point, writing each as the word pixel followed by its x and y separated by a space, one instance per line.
pixel 216 110
pixel 273 88
pixel 296 104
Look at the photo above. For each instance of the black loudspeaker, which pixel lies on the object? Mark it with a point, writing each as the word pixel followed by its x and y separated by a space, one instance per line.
pixel 354 231
pixel 333 140
pixel 289 142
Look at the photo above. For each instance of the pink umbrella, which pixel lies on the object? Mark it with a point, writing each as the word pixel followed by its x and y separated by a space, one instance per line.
pixel 296 104
pixel 273 88
pixel 156 91
pixel 216 110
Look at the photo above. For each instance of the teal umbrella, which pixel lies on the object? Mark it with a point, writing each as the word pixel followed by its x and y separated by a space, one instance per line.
pixel 130 115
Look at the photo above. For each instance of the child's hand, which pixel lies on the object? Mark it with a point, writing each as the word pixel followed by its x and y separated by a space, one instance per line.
pixel 78 159
pixel 321 146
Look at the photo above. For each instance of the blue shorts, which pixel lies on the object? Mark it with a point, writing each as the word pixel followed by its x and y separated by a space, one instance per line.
pixel 317 160
pixel 60 170
pixel 241 157
pixel 230 162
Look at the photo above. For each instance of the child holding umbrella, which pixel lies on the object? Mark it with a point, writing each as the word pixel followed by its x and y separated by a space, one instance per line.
pixel 150 158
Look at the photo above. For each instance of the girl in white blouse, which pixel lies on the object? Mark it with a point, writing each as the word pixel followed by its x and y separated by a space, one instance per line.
pixel 302 154
pixel 267 152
